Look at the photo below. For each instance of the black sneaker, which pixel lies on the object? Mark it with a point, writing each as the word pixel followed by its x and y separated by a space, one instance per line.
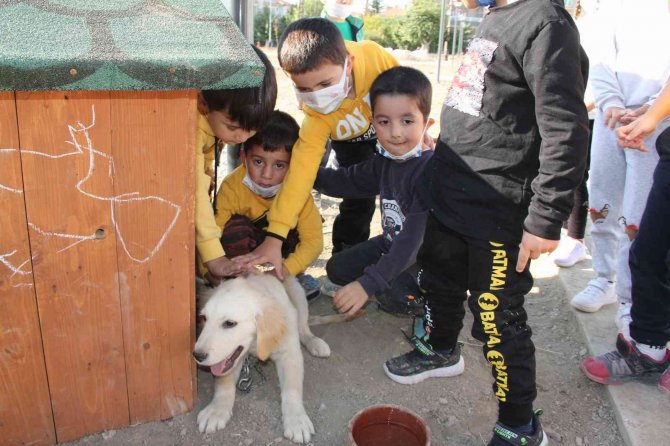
pixel 404 298
pixel 406 305
pixel 423 362
pixel 506 436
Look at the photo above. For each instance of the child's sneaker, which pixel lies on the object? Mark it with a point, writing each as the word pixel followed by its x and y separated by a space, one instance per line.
pixel 623 363
pixel 329 288
pixel 404 305
pixel 569 252
pixel 423 362
pixel 664 382
pixel 597 293
pixel 506 436
pixel 311 286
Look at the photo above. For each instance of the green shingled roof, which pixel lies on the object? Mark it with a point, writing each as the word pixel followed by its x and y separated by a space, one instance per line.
pixel 123 45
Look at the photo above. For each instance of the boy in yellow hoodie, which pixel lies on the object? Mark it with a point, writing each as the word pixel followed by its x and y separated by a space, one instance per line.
pixel 248 192
pixel 332 79
pixel 224 117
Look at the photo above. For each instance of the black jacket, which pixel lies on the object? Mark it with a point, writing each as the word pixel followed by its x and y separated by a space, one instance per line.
pixel 514 127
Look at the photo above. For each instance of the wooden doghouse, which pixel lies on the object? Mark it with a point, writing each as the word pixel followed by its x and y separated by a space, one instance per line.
pixel 97 160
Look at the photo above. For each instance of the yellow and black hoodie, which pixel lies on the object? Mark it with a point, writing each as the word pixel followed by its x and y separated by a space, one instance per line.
pixel 236 198
pixel 350 123
pixel 208 234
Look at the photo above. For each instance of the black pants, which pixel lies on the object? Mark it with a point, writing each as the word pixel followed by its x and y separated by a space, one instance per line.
pixel 352 225
pixel 576 223
pixel 348 265
pixel 649 258
pixel 450 265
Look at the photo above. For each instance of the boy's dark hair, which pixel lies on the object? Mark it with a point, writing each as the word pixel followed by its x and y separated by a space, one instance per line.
pixel 250 107
pixel 403 81
pixel 308 43
pixel 280 133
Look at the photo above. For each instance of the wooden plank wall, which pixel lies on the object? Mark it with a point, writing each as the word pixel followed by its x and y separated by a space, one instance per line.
pixel 65 141
pixel 109 183
pixel 153 150
pixel 25 410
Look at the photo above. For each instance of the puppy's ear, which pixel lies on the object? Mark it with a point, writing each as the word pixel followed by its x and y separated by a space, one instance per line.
pixel 270 328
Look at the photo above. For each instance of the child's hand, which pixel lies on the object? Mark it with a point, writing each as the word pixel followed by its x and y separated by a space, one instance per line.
pixel 632 115
pixel 267 252
pixel 633 135
pixel 213 281
pixel 613 116
pixel 531 247
pixel 284 272
pixel 350 299
pixel 222 267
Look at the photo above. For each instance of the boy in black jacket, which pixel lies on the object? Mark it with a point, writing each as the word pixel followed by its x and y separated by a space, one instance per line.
pixel 512 148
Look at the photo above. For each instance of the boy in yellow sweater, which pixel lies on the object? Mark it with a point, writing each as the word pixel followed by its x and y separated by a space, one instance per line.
pixel 332 79
pixel 224 117
pixel 248 192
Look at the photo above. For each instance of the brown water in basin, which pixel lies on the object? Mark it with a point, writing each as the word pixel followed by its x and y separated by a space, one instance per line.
pixel 387 425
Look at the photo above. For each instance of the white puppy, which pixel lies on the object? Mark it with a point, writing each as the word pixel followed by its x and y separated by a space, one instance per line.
pixel 257 315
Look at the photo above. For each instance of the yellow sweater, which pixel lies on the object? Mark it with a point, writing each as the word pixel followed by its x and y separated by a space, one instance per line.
pixel 351 122
pixel 235 198
pixel 208 234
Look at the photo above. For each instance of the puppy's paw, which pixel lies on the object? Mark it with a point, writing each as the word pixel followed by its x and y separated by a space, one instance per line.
pixel 213 418
pixel 298 427
pixel 317 347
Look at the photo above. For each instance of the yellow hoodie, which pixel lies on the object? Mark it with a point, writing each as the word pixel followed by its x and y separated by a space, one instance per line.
pixel 236 198
pixel 208 234
pixel 351 122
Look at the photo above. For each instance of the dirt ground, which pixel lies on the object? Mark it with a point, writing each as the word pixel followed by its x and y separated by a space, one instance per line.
pixel 460 411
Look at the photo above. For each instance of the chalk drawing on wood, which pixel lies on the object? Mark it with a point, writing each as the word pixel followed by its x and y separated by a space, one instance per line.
pixel 80 140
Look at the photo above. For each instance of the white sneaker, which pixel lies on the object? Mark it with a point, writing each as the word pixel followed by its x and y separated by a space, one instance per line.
pixel 597 293
pixel 623 319
pixel 569 252
pixel 329 288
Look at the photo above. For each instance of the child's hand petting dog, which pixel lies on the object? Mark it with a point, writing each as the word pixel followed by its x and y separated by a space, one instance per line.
pixel 222 267
pixel 350 299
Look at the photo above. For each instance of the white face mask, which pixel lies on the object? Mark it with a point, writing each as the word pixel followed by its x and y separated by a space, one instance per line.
pixel 265 192
pixel 413 153
pixel 338 10
pixel 328 99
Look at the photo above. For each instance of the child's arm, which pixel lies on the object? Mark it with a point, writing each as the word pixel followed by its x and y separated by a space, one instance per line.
pixel 553 70
pixel 305 159
pixel 401 255
pixel 634 134
pixel 226 205
pixel 310 232
pixel 358 181
pixel 379 276
pixel 208 234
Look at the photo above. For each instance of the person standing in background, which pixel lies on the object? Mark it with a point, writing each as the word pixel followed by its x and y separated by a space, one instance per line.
pixel 341 13
pixel 571 249
pixel 627 74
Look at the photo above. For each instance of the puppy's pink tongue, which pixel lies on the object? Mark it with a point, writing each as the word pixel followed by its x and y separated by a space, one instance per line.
pixel 218 369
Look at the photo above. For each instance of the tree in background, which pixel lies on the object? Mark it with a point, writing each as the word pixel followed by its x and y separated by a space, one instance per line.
pixel 305 8
pixel 385 30
pixel 421 26
pixel 417 28
pixel 375 7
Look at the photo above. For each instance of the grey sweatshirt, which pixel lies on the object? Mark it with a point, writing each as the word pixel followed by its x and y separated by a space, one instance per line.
pixel 630 63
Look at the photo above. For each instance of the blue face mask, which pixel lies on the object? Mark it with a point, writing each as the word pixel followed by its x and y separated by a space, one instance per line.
pixel 485 3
